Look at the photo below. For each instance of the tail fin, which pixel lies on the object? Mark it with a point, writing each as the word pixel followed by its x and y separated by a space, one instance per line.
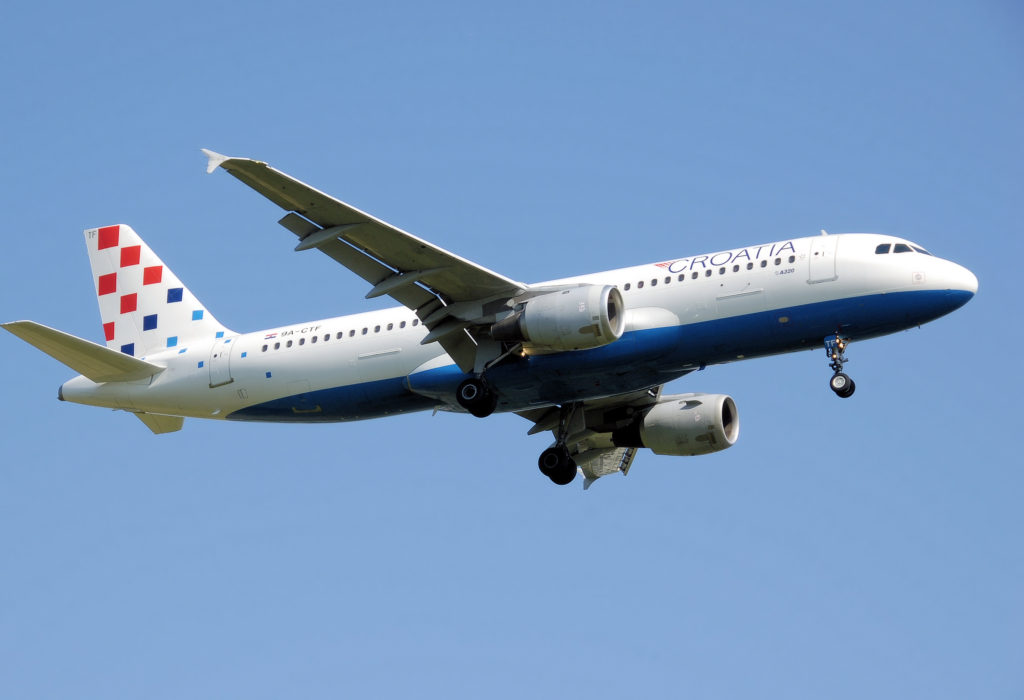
pixel 144 307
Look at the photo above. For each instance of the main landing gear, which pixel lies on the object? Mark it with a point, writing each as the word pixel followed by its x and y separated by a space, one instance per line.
pixel 555 462
pixel 476 397
pixel 840 383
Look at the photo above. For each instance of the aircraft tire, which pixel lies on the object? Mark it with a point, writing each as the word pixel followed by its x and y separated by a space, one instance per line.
pixel 565 473
pixel 840 384
pixel 474 396
pixel 556 464
pixel 550 459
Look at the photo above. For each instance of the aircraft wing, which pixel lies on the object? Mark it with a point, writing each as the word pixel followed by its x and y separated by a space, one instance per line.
pixel 589 427
pixel 448 293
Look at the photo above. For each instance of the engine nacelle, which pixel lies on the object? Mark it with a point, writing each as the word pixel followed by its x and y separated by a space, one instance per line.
pixel 684 425
pixel 570 319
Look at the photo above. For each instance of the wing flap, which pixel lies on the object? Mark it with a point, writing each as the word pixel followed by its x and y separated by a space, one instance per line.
pixel 601 462
pixel 98 363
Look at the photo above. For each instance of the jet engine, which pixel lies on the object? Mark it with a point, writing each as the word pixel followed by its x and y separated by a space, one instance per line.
pixel 684 425
pixel 577 318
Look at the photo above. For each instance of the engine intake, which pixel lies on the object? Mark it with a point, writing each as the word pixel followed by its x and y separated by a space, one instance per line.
pixel 684 425
pixel 577 318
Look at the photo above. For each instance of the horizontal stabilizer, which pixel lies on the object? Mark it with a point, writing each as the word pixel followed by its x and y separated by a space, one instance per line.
pixel 161 424
pixel 93 361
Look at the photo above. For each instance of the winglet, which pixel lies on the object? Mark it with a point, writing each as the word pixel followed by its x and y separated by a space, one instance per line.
pixel 216 159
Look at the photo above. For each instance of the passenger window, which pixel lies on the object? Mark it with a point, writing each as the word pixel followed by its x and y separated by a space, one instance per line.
pixel 707 273
pixel 667 280
pixel 764 263
pixel 750 266
pixel 721 270
pixel 778 261
pixel 735 268
pixel 694 276
pixel 302 341
pixel 415 322
pixel 901 248
pixel 314 339
pixel 639 285
pixel 264 348
pixel 402 324
pixel 883 249
pixel 626 287
pixel 792 258
pixel 654 283
pixel 327 336
pixel 682 277
pixel 277 346
pixel 288 344
pixel 365 331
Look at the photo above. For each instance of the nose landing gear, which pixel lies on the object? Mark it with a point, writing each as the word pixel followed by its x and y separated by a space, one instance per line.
pixel 840 383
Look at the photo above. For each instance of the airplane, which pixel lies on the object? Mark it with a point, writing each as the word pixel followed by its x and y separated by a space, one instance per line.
pixel 585 357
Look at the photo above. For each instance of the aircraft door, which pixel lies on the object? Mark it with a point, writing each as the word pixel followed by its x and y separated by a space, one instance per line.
pixel 822 259
pixel 220 362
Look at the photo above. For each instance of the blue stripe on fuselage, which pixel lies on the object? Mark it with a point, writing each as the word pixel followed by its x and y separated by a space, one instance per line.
pixel 639 359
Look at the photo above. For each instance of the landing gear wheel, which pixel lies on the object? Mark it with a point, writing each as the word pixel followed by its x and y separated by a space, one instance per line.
pixel 842 385
pixel 556 464
pixel 835 348
pixel 474 396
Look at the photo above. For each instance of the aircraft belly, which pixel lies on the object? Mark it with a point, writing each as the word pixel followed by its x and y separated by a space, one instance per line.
pixel 345 403
pixel 640 359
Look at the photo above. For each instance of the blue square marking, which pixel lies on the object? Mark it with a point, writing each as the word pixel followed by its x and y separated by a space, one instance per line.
pixel 172 341
pixel 201 364
pixel 149 322
pixel 174 295
pixel 197 315
pixel 244 354
pixel 220 334
pixel 268 375
pixel 182 351
pixel 128 349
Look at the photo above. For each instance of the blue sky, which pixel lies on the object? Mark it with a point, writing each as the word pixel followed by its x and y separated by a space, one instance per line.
pixel 841 549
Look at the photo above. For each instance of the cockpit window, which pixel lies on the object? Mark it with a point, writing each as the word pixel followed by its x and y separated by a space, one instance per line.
pixel 920 250
pixel 901 248
pixel 882 249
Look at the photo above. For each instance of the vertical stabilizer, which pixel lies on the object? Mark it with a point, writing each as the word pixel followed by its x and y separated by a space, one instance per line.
pixel 144 307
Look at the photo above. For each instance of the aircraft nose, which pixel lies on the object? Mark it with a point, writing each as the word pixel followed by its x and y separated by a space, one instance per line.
pixel 963 280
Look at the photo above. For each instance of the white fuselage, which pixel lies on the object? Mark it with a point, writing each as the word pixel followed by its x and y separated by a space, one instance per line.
pixel 680 315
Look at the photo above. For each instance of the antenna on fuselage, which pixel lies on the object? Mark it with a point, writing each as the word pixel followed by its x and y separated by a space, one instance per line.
pixel 824 232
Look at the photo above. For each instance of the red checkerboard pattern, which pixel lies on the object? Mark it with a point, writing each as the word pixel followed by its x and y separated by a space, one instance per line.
pixel 143 306
pixel 107 284
pixel 130 255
